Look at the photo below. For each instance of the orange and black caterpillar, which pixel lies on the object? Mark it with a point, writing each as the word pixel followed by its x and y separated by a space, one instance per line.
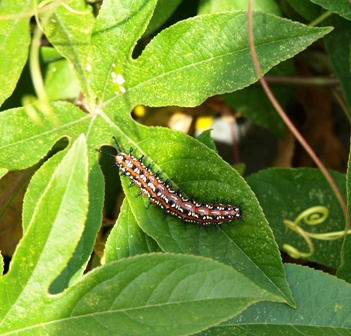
pixel 172 201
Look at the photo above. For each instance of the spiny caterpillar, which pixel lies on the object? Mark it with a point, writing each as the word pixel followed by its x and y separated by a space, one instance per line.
pixel 172 201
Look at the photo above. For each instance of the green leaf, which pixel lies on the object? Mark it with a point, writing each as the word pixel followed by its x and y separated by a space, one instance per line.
pixel 117 28
pixel 69 30
pixel 33 142
pixel 306 9
pixel 323 305
pixel 344 270
pixel 338 46
pixel 157 294
pixel 252 102
pixel 126 238
pixel 60 82
pixel 198 169
pixel 3 172
pixel 184 59
pixel 284 194
pixel 205 138
pixel 341 7
pixel 215 6
pixel 14 42
pixel 37 187
pixel 38 132
pixel 36 262
pixel 163 10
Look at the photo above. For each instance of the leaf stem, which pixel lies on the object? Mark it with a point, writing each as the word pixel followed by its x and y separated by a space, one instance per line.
pixel 320 19
pixel 37 78
pixel 303 81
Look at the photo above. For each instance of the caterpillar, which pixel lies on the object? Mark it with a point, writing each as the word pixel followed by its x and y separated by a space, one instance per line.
pixel 173 202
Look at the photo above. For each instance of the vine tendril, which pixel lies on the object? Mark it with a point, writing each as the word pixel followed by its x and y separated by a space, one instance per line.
pixel 312 216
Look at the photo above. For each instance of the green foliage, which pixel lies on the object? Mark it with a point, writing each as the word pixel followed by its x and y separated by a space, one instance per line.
pixel 338 41
pixel 341 7
pixel 322 308
pixel 251 101
pixel 309 185
pixel 14 43
pixel 339 47
pixel 213 6
pixel 202 277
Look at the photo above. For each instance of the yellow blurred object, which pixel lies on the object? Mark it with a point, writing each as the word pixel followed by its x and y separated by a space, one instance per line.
pixel 204 123
pixel 140 111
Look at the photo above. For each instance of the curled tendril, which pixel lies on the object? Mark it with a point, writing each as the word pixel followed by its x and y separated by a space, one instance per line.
pixel 312 216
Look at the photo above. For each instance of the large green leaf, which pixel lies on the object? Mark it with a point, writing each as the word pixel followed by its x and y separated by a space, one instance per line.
pixel 146 295
pixel 185 58
pixel 40 257
pixel 197 169
pixel 341 7
pixel 252 102
pixel 285 194
pixel 14 42
pixel 32 143
pixel 156 294
pixel 323 305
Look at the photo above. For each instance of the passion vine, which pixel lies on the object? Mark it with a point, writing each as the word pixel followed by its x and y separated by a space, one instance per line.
pixel 172 201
